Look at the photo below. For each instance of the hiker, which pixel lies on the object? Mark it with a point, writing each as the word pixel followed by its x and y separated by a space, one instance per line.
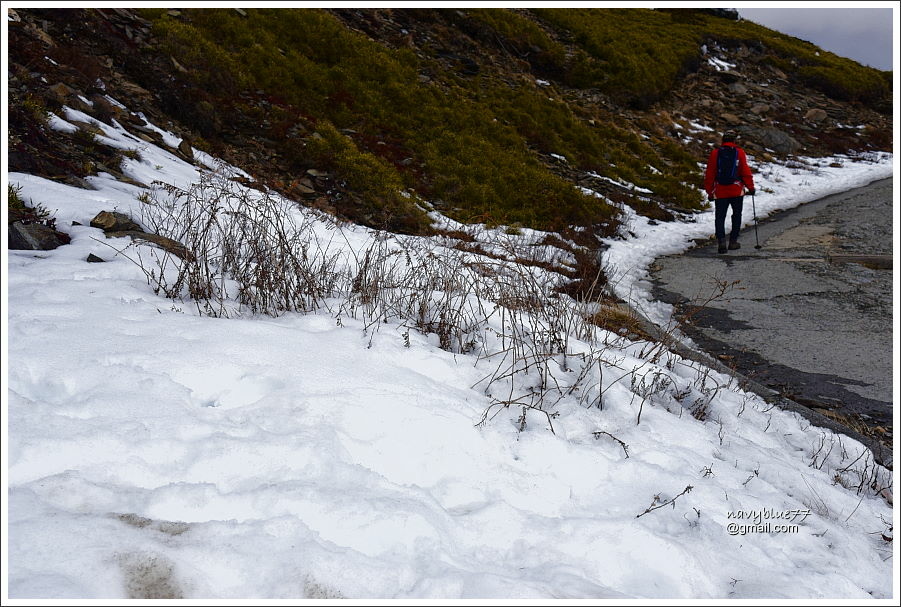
pixel 727 179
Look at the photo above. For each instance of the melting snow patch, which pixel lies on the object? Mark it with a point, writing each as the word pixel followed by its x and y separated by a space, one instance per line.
pixel 700 127
pixel 719 64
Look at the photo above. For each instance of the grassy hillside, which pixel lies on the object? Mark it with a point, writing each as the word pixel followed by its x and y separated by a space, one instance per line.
pixel 637 55
pixel 492 115
pixel 463 122
pixel 468 143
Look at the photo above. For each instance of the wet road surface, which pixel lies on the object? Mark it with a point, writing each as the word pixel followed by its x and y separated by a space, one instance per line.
pixel 809 314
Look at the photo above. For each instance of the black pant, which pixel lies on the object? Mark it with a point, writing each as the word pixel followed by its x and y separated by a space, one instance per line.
pixel 722 205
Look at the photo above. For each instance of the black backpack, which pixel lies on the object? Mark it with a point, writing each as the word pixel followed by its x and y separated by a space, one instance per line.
pixel 727 165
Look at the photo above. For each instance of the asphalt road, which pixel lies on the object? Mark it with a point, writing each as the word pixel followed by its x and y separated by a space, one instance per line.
pixel 809 314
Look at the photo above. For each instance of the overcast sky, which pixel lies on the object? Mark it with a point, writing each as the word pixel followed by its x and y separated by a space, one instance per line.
pixel 862 34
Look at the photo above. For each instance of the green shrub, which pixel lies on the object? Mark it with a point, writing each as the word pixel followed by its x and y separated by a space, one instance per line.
pixel 374 181
pixel 634 55
pixel 522 36
pixel 36 107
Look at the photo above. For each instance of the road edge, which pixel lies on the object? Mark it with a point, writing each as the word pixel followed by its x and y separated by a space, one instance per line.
pixel 882 455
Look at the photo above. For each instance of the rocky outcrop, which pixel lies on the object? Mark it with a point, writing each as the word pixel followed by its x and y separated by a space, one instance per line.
pixel 35 237
pixel 185 150
pixel 770 138
pixel 816 115
pixel 113 221
pixel 118 225
pixel 167 244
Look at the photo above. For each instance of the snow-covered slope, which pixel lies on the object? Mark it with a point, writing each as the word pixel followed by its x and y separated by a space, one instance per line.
pixel 156 452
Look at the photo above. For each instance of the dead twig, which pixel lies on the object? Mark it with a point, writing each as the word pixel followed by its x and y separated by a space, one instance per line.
pixel 655 505
pixel 601 433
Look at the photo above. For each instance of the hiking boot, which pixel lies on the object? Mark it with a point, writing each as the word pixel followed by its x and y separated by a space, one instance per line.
pixel 733 244
pixel 722 247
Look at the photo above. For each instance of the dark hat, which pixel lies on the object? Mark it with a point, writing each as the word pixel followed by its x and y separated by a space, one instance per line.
pixel 730 136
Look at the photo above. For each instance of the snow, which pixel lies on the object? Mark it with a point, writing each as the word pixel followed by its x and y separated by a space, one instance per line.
pixel 155 452
pixel 699 127
pixel 623 184
pixel 720 64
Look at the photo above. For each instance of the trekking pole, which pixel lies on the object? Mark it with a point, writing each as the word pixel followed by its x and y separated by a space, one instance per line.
pixel 754 209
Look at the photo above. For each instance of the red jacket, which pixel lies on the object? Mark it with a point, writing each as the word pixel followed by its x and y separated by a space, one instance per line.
pixel 746 180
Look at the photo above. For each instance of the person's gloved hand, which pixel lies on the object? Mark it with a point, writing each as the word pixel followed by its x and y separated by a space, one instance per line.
pixel 752 191
pixel 711 197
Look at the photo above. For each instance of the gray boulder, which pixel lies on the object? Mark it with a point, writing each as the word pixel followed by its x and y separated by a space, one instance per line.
pixel 35 237
pixel 770 137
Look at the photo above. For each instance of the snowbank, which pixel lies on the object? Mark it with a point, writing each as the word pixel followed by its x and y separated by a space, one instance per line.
pixel 157 453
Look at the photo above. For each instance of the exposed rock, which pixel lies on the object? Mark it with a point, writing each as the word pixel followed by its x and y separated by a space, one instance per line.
pixel 772 138
pixel 77 182
pixel 41 35
pixel 185 149
pixel 87 127
pixel 815 115
pixel 760 109
pixel 113 221
pixel 729 76
pixel 738 88
pixel 35 237
pixel 105 107
pixel 62 91
pixel 94 259
pixel 167 244
pixel 132 120
pixel 119 225
pixel 134 91
pixel 149 135
pixel 732 119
